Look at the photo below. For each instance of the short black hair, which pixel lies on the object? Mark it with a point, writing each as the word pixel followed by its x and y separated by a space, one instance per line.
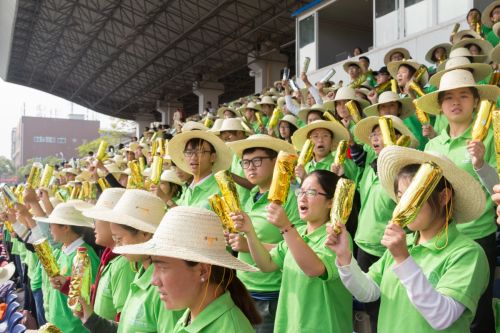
pixel 269 152
pixel 327 180
pixel 365 57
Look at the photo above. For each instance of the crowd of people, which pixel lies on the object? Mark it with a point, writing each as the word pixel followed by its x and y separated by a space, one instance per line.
pixel 162 260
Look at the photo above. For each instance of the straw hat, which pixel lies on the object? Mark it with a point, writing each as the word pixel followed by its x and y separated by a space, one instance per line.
pixel 112 168
pixel 178 143
pixel 364 128
pixel 405 52
pixel 216 126
pixel 462 52
pixel 495 55
pixel 69 170
pixel 80 204
pixel 138 209
pixel 252 105
pixel 387 97
pixel 484 45
pixel 66 214
pixel 479 70
pixel 339 132
pixel 281 102
pixel 193 126
pixel 496 29
pixel 485 17
pixel 85 175
pixel 329 105
pixel 430 54
pixel 6 272
pixel 304 112
pixel 232 124
pixel 348 93
pixel 465 34
pixel 260 141
pixel 291 119
pixel 350 63
pixel 189 233
pixel 393 68
pixel 468 198
pixel 132 147
pixel 108 199
pixel 267 100
pixel 221 110
pixel 458 78
pixel 171 177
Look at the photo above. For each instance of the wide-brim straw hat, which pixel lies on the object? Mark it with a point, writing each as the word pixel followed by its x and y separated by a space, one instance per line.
pixel 339 132
pixel 260 141
pixel 468 198
pixel 484 45
pixel 137 209
pixel 479 70
pixel 193 126
pixel 365 126
pixel 252 105
pixel 348 93
pixel 69 170
pixel 465 34
pixel 496 29
pixel 6 272
pixel 291 119
pixel 80 204
pixel 495 54
pixel 107 200
pixel 350 63
pixel 455 79
pixel 393 68
pixel 85 175
pixel 177 145
pixel 407 108
pixel 221 110
pixel 192 234
pixel 462 52
pixel 305 110
pixel 267 100
pixel 485 16
pixel 67 214
pixel 216 126
pixel 170 176
pixel 430 53
pixel 402 50
pixel 232 124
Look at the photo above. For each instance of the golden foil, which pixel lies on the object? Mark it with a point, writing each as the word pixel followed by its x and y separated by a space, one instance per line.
pixel 9 195
pixel 245 125
pixel 81 280
pixel 329 116
pixel 419 73
pixel 258 116
pixel 353 109
pixel 403 141
pixel 495 77
pixel 218 206
pixel 9 227
pixel 284 170
pixel 75 192
pixel 422 116
pixel 35 175
pixel 156 169
pixel 306 154
pixel 86 190
pixel 135 179
pixel 154 147
pixel 483 120
pixel 415 87
pixel 341 153
pixel 102 152
pixel 142 163
pixel 342 202
pixel 387 130
pixel 228 190
pixel 103 183
pixel 456 27
pixel 276 116
pixel 417 193
pixel 496 132
pixel 359 81
pixel 93 191
pixel 49 328
pixel 208 123
pixel 47 259
pixel 383 87
pixel 19 192
pixel 394 86
pixel 47 173
pixel 161 147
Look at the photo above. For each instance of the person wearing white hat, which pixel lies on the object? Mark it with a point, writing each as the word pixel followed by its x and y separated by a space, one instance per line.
pixel 170 187
pixel 193 270
pixel 287 126
pixel 250 110
pixel 403 71
pixel 73 230
pixel 267 105
pixel 490 16
pixel 112 173
pixel 396 54
pixel 432 279
pixel 258 158
pixel 232 130
pixel 312 298
pixel 457 99
pixel 344 95
pixel 437 55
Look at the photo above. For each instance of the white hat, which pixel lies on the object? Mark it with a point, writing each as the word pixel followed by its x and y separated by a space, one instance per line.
pixel 221 110
pixel 468 197
pixel 108 199
pixel 305 110
pixel 348 93
pixel 138 209
pixel 69 170
pixel 402 50
pixel 267 100
pixel 171 177
pixel 301 135
pixel 193 126
pixel 365 126
pixel 407 108
pixel 177 145
pixel 252 106
pixel 132 147
pixel 6 272
pixel 495 54
pixel 484 45
pixel 393 68
pixel 465 34
pixel 350 63
pixel 458 78
pixel 479 70
pixel 260 141
pixel 232 124
pixel 216 126
pixel 291 119
pixel 485 17
pixel 65 213
pixel 430 54
pixel 80 204
pixel 189 233
pixel 462 52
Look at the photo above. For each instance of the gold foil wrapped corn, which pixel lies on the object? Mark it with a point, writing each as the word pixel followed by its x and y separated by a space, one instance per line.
pixel 403 141
pixel 416 88
pixel 34 176
pixel 102 152
pixel 422 116
pixel 419 73
pixel 103 183
pixel 47 259
pixel 306 154
pixel 341 153
pixel 258 116
pixel 483 120
pixel 387 130
pixel 49 328
pixel 353 109
pixel 228 190
pixel 496 133
pixel 48 172
pixel 219 207
pixel 273 122
pixel 284 170
pixel 81 280
pixel 394 86
pixel 342 202
pixel 156 169
pixel 383 87
pixel 135 180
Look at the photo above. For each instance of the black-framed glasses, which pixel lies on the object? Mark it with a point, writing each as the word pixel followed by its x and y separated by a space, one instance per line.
pixel 308 193
pixel 191 153
pixel 256 162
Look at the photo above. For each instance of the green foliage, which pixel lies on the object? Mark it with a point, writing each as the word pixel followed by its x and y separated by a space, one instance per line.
pixel 6 167
pixel 120 130
pixel 25 169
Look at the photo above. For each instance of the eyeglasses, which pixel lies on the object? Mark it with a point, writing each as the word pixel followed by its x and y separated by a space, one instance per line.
pixel 256 162
pixel 308 193
pixel 191 153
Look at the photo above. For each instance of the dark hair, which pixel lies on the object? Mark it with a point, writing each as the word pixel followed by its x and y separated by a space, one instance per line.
pixel 315 111
pixel 358 48
pixel 473 10
pixel 197 143
pixel 473 90
pixel 396 131
pixel 365 57
pixel 269 152
pixel 327 180
pixel 409 172
pixel 88 237
pixel 226 278
pixel 293 128
pixel 410 69
pixel 131 230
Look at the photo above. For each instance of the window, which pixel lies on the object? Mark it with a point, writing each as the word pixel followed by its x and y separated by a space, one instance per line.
pixel 38 139
pixel 50 139
pixel 61 140
pixel 306 31
pixel 383 7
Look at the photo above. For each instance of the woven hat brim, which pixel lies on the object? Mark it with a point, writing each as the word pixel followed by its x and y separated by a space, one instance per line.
pixel 446 46
pixel 362 102
pixel 303 112
pixel 495 54
pixel 475 59
pixel 347 64
pixel 393 68
pixel 406 110
pixel 218 258
pixel 479 72
pixel 176 148
pixel 364 128
pixel 110 215
pixel 57 220
pixel 405 52
pixel 485 46
pixel 339 133
pixel 95 212
pixel 429 102
pixel 7 272
pixel 271 143
pixel 469 197
pixel 293 123
pixel 485 15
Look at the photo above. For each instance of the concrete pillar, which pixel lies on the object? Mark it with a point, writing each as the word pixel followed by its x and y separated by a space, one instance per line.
pixel 266 68
pixel 167 109
pixel 208 91
pixel 140 126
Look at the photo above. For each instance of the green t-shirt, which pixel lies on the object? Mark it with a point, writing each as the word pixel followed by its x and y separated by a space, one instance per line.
pixel 220 316
pixel 59 312
pixel 113 288
pixel 46 287
pixel 492 38
pixel 415 128
pixel 197 196
pixel 459 270
pixel 456 150
pixel 267 233
pixel 350 168
pixel 319 304
pixel 243 193
pixel 143 310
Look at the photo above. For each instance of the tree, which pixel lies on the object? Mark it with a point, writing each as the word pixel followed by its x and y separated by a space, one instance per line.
pixel 25 169
pixel 120 131
pixel 6 167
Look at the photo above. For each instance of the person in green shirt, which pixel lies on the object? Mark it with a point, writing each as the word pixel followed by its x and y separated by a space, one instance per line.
pixel 430 280
pixel 201 154
pixel 193 270
pixel 286 127
pixel 457 98
pixel 251 117
pixel 490 16
pixel 312 298
pixel 437 55
pixel 344 95
pixel 259 154
pixel 170 187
